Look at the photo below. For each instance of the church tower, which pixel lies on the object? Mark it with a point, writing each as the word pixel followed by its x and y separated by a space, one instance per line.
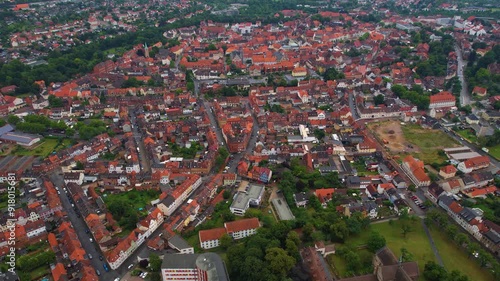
pixel 146 50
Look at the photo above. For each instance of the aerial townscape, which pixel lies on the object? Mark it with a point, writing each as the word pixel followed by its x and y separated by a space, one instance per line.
pixel 250 140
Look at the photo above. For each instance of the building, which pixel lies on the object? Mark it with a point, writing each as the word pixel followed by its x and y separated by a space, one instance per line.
pixel 447 171
pixel 442 99
pixel 8 135
pixel 414 168
pixel 210 238
pixel 324 195
pixel 246 197
pixel 242 228
pixel 301 199
pixel 74 178
pixel 473 164
pixel 193 267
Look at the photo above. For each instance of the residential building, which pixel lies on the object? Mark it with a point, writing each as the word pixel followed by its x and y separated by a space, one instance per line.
pixel 324 195
pixel 414 168
pixel 473 164
pixel 74 178
pixel 301 199
pixel 210 238
pixel 242 228
pixel 447 171
pixel 442 99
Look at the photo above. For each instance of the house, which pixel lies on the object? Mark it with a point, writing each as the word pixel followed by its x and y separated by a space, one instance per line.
pixel 301 199
pixel 248 195
pixel 178 243
pixel 414 168
pixel 472 119
pixel 210 238
pixel 433 192
pixel 473 164
pixel 480 192
pixel 242 228
pixel 480 91
pixel 74 178
pixel 447 171
pixel 206 266
pixel 324 195
pixel 442 99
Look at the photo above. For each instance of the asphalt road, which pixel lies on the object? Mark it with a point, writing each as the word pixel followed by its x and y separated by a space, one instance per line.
pixel 464 95
pixel 80 227
pixel 144 161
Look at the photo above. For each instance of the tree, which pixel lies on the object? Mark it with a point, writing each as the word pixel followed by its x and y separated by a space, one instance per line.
pixel 13 119
pixel 293 236
pixel 379 99
pixel 226 194
pixel 226 241
pixel 405 228
pixel 55 101
pixel 279 261
pixel 406 255
pixel 319 134
pixel 339 230
pixel 375 242
pixel 434 272
pixel 155 262
pixel 155 276
pixel 144 263
pixel 333 74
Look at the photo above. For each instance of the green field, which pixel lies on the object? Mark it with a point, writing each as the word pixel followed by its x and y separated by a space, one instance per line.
pixel 468 135
pixel 40 272
pixel 44 148
pixel 495 151
pixel 138 199
pixel 455 258
pixel 429 142
pixel 417 243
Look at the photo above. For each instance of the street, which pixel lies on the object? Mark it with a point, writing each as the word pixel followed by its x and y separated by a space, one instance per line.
pixel 144 161
pixel 80 227
pixel 464 95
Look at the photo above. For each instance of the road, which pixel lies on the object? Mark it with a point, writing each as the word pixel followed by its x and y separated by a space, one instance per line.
pixel 144 161
pixel 464 95
pixel 352 106
pixel 80 228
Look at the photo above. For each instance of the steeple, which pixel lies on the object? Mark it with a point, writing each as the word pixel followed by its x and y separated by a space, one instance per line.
pixel 146 50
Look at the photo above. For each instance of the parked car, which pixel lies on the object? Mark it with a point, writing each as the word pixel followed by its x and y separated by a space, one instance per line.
pixel 90 256
pixel 98 272
pixel 106 268
pixel 100 258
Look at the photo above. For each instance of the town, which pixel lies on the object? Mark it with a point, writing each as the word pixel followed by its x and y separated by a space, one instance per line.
pixel 168 140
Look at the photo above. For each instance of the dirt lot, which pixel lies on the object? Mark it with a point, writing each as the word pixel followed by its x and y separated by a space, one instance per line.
pixel 391 132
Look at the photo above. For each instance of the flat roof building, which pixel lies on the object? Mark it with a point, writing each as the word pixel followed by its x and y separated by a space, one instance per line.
pixel 247 196
pixel 193 267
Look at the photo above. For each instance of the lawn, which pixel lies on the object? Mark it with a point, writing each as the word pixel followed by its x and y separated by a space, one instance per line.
pixel 44 148
pixel 455 258
pixel 468 135
pixel 495 151
pixel 428 141
pixel 39 272
pixel 138 199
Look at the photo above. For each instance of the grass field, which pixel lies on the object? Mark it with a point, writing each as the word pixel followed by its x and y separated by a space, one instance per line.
pixel 468 135
pixel 455 258
pixel 417 243
pixel 43 149
pixel 495 151
pixel 139 199
pixel 429 142
pixel 39 272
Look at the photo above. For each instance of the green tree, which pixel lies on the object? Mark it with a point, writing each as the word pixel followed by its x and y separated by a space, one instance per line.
pixel 375 242
pixel 13 119
pixel 379 99
pixel 226 241
pixel 155 262
pixel 279 262
pixel 406 255
pixel 333 74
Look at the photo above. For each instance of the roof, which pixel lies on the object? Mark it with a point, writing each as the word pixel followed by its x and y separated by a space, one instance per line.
pixel 211 234
pixel 19 137
pixel 449 169
pixel 211 263
pixel 5 129
pixel 442 97
pixel 240 225
pixel 324 194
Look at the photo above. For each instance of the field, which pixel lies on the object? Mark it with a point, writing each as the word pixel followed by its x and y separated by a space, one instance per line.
pixel 44 148
pixel 468 135
pixel 424 144
pixel 417 243
pixel 495 151
pixel 138 199
pixel 455 258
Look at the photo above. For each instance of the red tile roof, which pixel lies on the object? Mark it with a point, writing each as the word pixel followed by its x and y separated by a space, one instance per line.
pixel 244 224
pixel 211 234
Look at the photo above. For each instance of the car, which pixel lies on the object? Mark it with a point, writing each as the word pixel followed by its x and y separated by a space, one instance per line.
pixel 91 240
pixel 130 266
pixel 90 256
pixel 101 258
pixel 97 272
pixel 105 266
pixel 117 279
pixel 87 231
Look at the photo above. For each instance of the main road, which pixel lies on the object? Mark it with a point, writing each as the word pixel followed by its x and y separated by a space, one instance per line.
pixel 464 94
